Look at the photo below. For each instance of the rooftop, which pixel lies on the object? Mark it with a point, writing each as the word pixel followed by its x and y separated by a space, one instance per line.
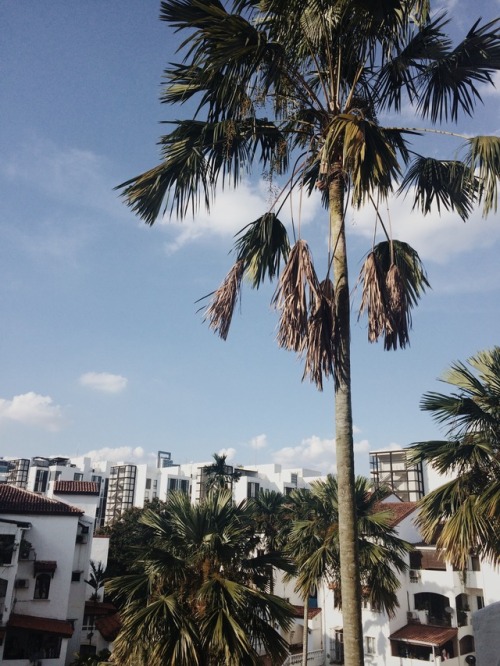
pixel 18 501
pixel 76 488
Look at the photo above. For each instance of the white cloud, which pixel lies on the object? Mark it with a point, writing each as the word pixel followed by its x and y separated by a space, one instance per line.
pixel 317 454
pixel 234 208
pixel 229 453
pixel 104 381
pixel 32 409
pixel 258 442
pixel 119 454
pixel 437 238
pixel 66 174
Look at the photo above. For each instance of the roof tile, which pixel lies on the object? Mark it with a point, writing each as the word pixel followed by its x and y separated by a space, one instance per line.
pixel 76 488
pixel 17 500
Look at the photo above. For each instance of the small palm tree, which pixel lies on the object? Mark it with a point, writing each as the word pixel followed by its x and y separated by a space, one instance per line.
pixel 464 513
pixel 219 474
pixel 96 579
pixel 313 543
pixel 299 88
pixel 269 508
pixel 200 599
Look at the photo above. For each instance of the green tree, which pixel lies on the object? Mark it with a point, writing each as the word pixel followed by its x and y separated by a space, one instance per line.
pixel 464 513
pixel 269 509
pixel 96 579
pixel 312 541
pixel 127 537
pixel 219 474
pixel 298 87
pixel 200 595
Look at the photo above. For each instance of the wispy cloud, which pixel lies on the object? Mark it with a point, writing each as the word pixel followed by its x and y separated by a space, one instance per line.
pixel 119 454
pixel 232 210
pixel 258 442
pixel 32 409
pixel 68 175
pixel 437 238
pixel 316 453
pixel 104 382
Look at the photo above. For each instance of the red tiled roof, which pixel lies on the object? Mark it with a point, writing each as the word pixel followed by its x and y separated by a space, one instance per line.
pixel 46 624
pixel 109 626
pixel 425 634
pixel 99 608
pixel 76 488
pixel 399 510
pixel 17 500
pixel 298 611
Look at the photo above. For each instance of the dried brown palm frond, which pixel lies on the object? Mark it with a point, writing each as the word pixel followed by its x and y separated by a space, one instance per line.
pixel 398 321
pixel 374 297
pixel 321 344
pixel 220 310
pixel 297 287
pixel 393 282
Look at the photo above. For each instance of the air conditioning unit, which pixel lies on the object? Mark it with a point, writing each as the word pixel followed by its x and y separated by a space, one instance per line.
pixel 414 575
pixel 81 538
pixel 21 583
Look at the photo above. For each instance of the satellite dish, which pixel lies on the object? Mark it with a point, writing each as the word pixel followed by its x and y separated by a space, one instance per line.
pixel 448 610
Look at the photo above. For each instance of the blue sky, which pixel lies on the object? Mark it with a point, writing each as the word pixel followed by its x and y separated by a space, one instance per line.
pixel 102 348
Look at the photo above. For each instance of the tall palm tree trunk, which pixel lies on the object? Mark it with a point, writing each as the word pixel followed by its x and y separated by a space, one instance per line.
pixel 349 559
pixel 305 637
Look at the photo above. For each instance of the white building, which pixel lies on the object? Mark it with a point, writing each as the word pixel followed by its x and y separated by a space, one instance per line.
pixel 436 603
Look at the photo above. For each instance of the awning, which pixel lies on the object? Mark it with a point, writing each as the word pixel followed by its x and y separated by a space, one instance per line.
pixel 46 625
pixel 109 627
pixel 44 566
pixel 298 612
pixel 424 634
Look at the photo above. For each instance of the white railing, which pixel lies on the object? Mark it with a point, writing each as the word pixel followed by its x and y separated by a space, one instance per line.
pixel 315 658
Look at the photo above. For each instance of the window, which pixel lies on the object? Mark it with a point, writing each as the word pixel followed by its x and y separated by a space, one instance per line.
pixel 336 646
pixel 370 645
pixel 77 476
pixel 253 489
pixel 42 586
pixel 148 484
pixel 480 602
pixel 475 563
pixel 76 576
pixel 41 478
pixel 88 622
pixel 23 645
pixel 87 650
pixel 6 548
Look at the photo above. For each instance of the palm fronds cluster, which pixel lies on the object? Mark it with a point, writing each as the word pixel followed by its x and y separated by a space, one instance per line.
pixel 464 512
pixel 201 595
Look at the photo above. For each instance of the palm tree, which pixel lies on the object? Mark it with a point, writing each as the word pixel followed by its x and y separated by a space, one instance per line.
pixel 200 598
pixel 269 511
pixel 298 87
pixel 312 541
pixel 219 474
pixel 96 579
pixel 464 513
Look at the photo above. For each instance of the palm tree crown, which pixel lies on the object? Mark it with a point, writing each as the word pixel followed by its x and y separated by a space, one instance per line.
pixel 464 513
pixel 299 89
pixel 200 597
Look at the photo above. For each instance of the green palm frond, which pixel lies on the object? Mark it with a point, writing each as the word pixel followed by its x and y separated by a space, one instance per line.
pixel 369 154
pixel 261 246
pixel 446 183
pixel 399 72
pixel 449 83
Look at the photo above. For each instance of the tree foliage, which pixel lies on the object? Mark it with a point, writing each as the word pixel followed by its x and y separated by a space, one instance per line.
pixel 199 594
pixel 462 515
